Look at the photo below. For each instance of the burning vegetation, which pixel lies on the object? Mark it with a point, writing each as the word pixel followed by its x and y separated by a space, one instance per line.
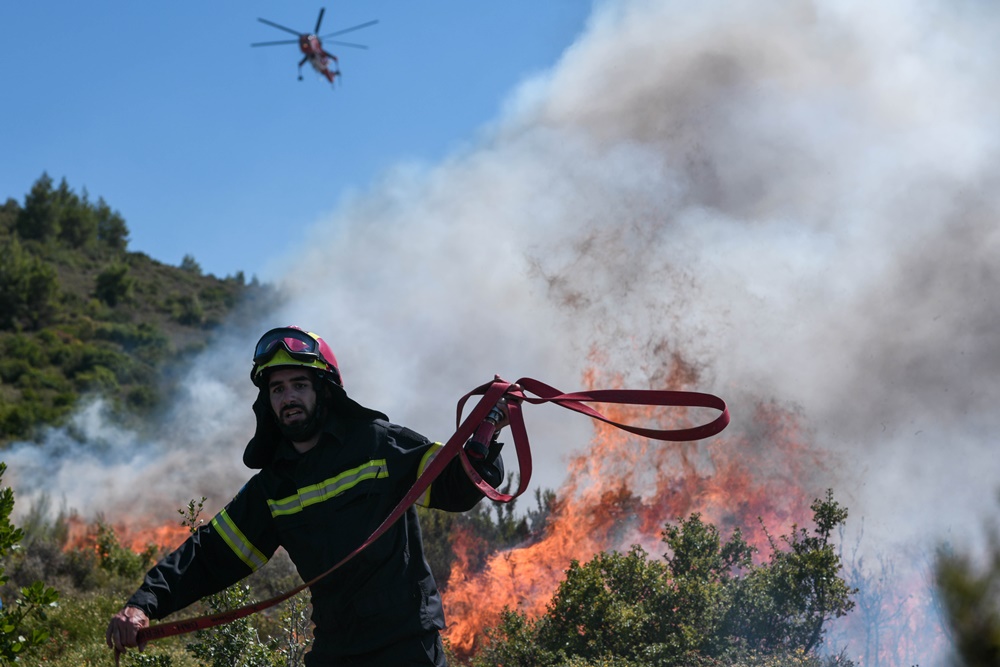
pixel 620 494
pixel 590 577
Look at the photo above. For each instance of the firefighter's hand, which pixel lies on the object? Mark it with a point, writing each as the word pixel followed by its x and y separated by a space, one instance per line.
pixel 502 405
pixel 123 630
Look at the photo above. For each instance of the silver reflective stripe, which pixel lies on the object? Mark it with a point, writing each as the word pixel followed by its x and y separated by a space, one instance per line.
pixel 237 541
pixel 317 493
pixel 425 498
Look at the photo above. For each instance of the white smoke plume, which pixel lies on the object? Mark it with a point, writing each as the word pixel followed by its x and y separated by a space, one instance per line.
pixel 799 197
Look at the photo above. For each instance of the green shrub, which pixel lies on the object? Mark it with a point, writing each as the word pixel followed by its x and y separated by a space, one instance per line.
pixel 237 643
pixel 968 588
pixel 188 310
pixel 117 560
pixel 17 636
pixel 114 285
pixel 707 604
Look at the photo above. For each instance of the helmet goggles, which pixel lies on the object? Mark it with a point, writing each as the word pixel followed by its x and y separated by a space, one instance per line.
pixel 297 343
pixel 292 346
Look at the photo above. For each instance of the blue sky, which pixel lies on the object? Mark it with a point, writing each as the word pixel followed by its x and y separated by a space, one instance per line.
pixel 212 148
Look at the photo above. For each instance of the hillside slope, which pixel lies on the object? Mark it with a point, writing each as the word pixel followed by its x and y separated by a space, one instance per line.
pixel 81 314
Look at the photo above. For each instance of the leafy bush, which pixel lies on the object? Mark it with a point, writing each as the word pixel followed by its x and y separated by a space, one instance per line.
pixel 114 285
pixel 969 589
pixel 707 604
pixel 788 602
pixel 16 638
pixel 187 309
pixel 117 560
pixel 28 287
pixel 238 643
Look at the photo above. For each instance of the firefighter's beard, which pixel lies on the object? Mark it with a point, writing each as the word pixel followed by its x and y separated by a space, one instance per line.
pixel 304 429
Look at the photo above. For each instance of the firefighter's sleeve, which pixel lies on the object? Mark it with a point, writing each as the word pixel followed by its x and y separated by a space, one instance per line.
pixel 452 490
pixel 239 540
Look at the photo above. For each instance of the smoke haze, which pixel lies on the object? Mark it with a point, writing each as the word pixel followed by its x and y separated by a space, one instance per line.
pixel 797 198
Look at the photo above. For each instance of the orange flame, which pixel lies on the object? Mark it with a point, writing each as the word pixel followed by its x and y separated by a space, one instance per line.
pixel 137 535
pixel 623 490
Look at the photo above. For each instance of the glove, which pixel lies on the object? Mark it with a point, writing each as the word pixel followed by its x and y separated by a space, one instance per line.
pixel 486 461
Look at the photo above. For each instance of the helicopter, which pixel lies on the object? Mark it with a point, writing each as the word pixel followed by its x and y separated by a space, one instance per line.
pixel 312 47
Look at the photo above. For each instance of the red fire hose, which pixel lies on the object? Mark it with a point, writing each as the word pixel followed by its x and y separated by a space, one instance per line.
pixel 491 393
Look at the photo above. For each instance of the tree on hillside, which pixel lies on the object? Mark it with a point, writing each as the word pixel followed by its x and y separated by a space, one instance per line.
pixel 8 217
pixel 28 287
pixel 112 233
pixel 707 603
pixel 77 218
pixel 114 285
pixel 38 219
pixel 58 214
pixel 191 265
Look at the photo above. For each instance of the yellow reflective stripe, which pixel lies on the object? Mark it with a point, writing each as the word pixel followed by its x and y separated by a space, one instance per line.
pixel 425 498
pixel 237 541
pixel 317 493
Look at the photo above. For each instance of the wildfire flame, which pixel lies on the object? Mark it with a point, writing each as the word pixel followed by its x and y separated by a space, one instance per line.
pixel 620 491
pixel 136 534
pixel 623 489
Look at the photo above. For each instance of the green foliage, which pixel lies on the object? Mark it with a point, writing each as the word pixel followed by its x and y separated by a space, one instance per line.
pixel 120 561
pixel 513 642
pixel 114 285
pixel 112 232
pixel 16 637
pixel 189 264
pixel 28 287
pixel 707 604
pixel 77 221
pixel 187 309
pixel 39 219
pixel 969 589
pixel 237 643
pixel 78 626
pixel 294 637
pixel 80 315
pixel 788 602
pixel 610 606
pixel 8 217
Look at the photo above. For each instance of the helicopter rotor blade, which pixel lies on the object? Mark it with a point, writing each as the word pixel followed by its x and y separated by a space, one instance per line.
pixel 283 41
pixel 319 20
pixel 279 26
pixel 357 46
pixel 352 28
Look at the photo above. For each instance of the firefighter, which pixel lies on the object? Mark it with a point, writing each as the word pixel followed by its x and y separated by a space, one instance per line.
pixel 330 471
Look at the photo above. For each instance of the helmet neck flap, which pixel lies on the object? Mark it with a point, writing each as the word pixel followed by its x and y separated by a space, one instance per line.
pixel 290 348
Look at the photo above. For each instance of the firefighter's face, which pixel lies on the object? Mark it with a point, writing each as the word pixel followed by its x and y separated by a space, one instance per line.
pixel 293 396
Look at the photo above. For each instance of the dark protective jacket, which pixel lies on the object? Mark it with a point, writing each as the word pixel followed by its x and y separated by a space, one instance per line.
pixel 320 506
